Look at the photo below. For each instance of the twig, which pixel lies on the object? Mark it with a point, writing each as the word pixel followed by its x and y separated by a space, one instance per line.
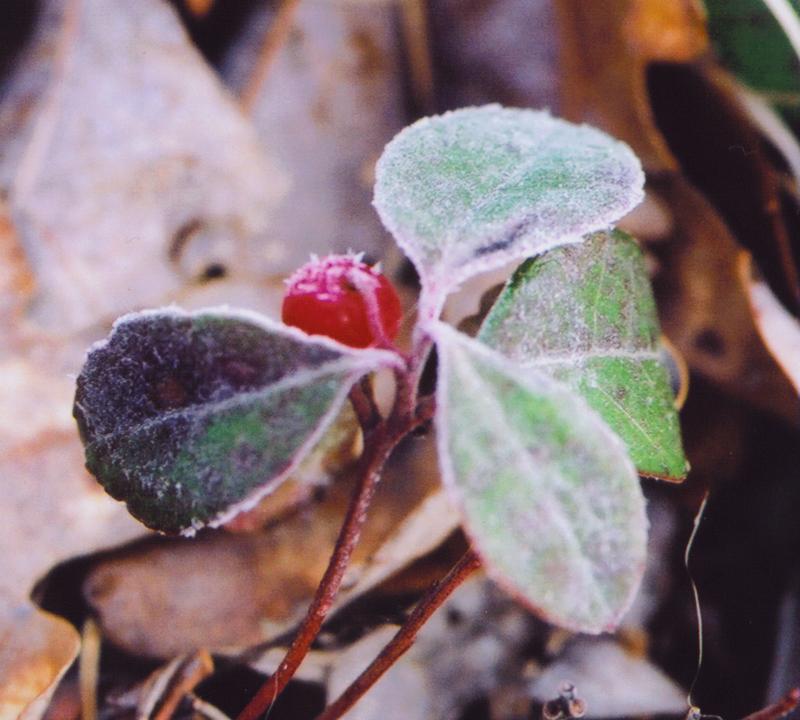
pixel 413 15
pixel 404 638
pixel 566 706
pixel 378 446
pixel 783 707
pixel 205 709
pixel 189 673
pixel 379 442
pixel 89 669
pixel 274 40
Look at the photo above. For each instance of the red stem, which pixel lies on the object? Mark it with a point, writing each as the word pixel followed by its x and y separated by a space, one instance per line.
pixel 405 637
pixel 376 451
pixel 379 441
pixel 784 706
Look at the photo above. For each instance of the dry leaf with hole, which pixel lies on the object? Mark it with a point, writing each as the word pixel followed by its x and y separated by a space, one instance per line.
pixel 121 196
pixel 704 309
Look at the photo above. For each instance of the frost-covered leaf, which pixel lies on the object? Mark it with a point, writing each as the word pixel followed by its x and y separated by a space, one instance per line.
pixel 191 418
pixel 469 190
pixel 547 492
pixel 585 314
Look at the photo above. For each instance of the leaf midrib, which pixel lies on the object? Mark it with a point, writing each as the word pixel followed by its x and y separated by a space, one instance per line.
pixel 200 410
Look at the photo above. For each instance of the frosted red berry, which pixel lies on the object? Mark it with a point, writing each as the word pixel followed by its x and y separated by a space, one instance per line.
pixel 345 299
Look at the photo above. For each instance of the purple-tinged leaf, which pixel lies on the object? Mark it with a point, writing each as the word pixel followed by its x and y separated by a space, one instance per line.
pixel 191 418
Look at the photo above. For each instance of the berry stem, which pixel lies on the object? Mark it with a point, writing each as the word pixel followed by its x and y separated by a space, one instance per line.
pixel 405 636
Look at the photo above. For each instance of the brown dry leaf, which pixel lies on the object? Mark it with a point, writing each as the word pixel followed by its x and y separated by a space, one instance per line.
pixel 706 119
pixel 705 311
pixel 230 592
pixel 605 50
pixel 129 170
pixel 650 82
pixel 778 328
pixel 52 508
pixel 331 99
pixel 52 511
pixel 117 197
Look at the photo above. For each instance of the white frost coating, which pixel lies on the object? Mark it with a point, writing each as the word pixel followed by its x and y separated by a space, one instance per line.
pixel 470 190
pixel 251 500
pixel 574 553
pixel 349 363
pixel 364 358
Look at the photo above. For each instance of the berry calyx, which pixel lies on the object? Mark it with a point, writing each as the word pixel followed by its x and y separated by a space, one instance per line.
pixel 344 298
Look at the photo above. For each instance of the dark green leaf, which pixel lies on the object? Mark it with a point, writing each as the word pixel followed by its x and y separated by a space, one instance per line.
pixel 585 314
pixel 753 45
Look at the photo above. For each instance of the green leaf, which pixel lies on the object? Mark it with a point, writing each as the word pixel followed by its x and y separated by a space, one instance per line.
pixel 585 314
pixel 472 189
pixel 752 44
pixel 191 418
pixel 547 492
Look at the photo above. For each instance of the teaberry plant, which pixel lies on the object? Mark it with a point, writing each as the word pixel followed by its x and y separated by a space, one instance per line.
pixel 542 420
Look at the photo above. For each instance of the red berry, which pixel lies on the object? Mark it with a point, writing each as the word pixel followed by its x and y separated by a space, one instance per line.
pixel 345 299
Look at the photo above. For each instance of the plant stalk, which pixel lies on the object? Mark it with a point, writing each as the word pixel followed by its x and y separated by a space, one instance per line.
pixel 376 450
pixel 380 439
pixel 405 636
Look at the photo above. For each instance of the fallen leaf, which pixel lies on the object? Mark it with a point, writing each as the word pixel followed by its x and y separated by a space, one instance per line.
pixel 54 510
pixel 481 54
pixel 330 99
pixel 120 196
pixel 604 82
pixel 779 329
pixel 230 592
pixel 704 310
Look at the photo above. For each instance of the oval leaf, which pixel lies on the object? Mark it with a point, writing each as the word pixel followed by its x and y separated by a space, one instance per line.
pixel 548 495
pixel 472 189
pixel 191 418
pixel 585 314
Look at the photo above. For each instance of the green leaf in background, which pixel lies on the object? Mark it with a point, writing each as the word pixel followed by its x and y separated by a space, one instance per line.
pixel 547 492
pixel 191 418
pixel 472 189
pixel 585 314
pixel 752 45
